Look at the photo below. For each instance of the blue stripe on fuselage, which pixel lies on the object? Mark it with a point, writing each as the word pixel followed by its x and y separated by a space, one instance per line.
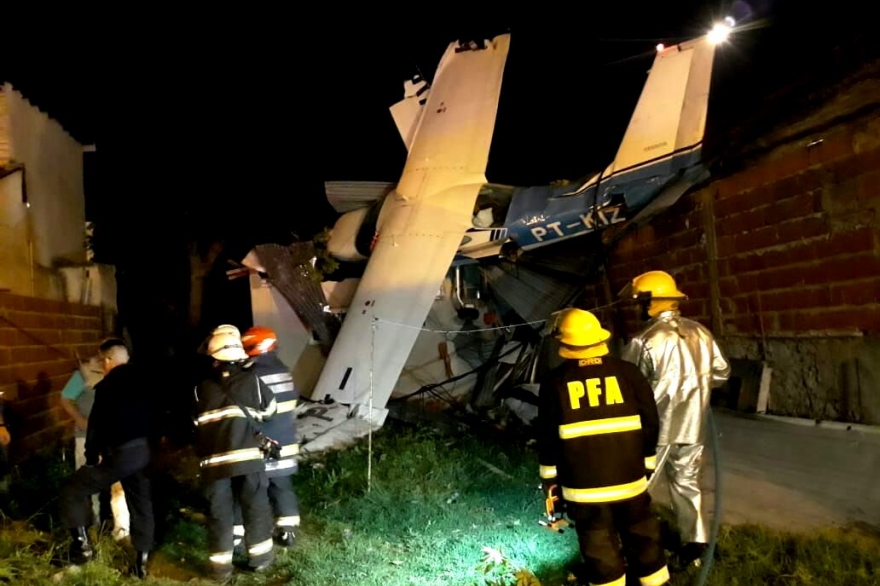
pixel 567 225
pixel 619 196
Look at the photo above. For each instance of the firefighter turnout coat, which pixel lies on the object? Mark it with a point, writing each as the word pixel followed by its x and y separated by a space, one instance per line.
pixel 226 440
pixel 598 427
pixel 683 363
pixel 282 426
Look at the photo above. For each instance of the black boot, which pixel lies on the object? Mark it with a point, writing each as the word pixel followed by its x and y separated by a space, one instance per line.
pixel 284 537
pixel 221 573
pixel 140 564
pixel 80 549
pixel 691 554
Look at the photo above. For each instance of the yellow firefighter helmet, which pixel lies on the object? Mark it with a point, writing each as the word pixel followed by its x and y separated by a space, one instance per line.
pixel 580 334
pixel 662 290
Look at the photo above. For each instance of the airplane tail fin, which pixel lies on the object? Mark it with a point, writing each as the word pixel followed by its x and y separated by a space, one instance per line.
pixel 408 111
pixel 670 116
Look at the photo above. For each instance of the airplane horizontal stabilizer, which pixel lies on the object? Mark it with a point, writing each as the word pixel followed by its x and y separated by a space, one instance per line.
pixel 346 196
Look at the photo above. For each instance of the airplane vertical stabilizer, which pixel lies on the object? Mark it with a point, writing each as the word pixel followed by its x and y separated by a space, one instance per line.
pixel 408 111
pixel 427 216
pixel 670 116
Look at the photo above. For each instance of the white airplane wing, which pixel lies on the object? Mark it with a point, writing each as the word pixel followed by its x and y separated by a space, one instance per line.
pixel 430 211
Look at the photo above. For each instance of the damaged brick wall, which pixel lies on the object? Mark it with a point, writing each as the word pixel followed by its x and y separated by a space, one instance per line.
pixel 38 340
pixel 781 260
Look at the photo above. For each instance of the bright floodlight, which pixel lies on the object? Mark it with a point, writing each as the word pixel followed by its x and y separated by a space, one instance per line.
pixel 719 33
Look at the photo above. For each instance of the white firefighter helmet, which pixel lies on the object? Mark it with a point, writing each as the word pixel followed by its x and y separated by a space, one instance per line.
pixel 226 329
pixel 226 346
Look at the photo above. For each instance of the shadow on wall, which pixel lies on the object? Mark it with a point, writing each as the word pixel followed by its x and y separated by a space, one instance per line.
pixel 34 419
pixel 859 379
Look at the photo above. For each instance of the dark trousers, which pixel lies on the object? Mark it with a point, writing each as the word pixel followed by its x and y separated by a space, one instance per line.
pixel 5 468
pixel 126 464
pixel 249 492
pixel 284 504
pixel 617 536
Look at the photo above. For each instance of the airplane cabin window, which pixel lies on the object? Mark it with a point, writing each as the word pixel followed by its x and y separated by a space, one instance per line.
pixel 484 218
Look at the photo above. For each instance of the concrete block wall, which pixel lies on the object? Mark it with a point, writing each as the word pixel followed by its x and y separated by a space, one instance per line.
pixel 781 260
pixel 38 339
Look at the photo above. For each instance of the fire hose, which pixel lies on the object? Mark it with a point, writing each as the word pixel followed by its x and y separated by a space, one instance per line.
pixel 709 556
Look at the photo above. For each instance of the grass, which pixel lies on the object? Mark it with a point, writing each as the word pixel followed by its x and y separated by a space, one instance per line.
pixel 435 514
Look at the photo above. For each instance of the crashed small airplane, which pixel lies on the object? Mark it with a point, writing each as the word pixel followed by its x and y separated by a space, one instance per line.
pixel 443 211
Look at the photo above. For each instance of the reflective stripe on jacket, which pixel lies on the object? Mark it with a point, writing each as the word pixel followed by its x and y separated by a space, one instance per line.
pixel 225 437
pixel 282 426
pixel 598 427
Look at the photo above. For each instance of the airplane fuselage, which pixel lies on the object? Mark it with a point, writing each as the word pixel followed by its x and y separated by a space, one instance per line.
pixel 442 211
pixel 533 217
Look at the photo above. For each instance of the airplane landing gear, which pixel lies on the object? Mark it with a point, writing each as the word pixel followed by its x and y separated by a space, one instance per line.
pixel 511 251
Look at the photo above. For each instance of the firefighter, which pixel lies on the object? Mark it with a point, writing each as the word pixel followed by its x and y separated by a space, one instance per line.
pixel 260 343
pixel 683 363
pixel 118 433
pixel 230 407
pixel 598 426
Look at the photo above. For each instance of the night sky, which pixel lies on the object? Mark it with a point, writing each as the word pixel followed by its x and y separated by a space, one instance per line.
pixel 224 126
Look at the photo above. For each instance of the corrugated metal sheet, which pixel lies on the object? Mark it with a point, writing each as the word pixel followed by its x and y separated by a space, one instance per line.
pixel 572 261
pixel 474 345
pixel 544 280
pixel 346 196
pixel 291 272
pixel 532 295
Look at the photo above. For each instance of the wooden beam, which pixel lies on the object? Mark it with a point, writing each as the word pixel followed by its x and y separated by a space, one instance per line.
pixel 707 198
pixel 618 323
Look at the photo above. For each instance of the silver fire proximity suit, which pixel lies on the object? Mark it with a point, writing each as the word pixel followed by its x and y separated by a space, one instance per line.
pixel 683 363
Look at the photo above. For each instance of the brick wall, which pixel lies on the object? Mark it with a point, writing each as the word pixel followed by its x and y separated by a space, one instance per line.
pixel 781 259
pixel 5 151
pixel 38 338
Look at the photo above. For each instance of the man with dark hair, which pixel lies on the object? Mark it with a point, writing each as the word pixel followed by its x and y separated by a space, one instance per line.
pixel 117 450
